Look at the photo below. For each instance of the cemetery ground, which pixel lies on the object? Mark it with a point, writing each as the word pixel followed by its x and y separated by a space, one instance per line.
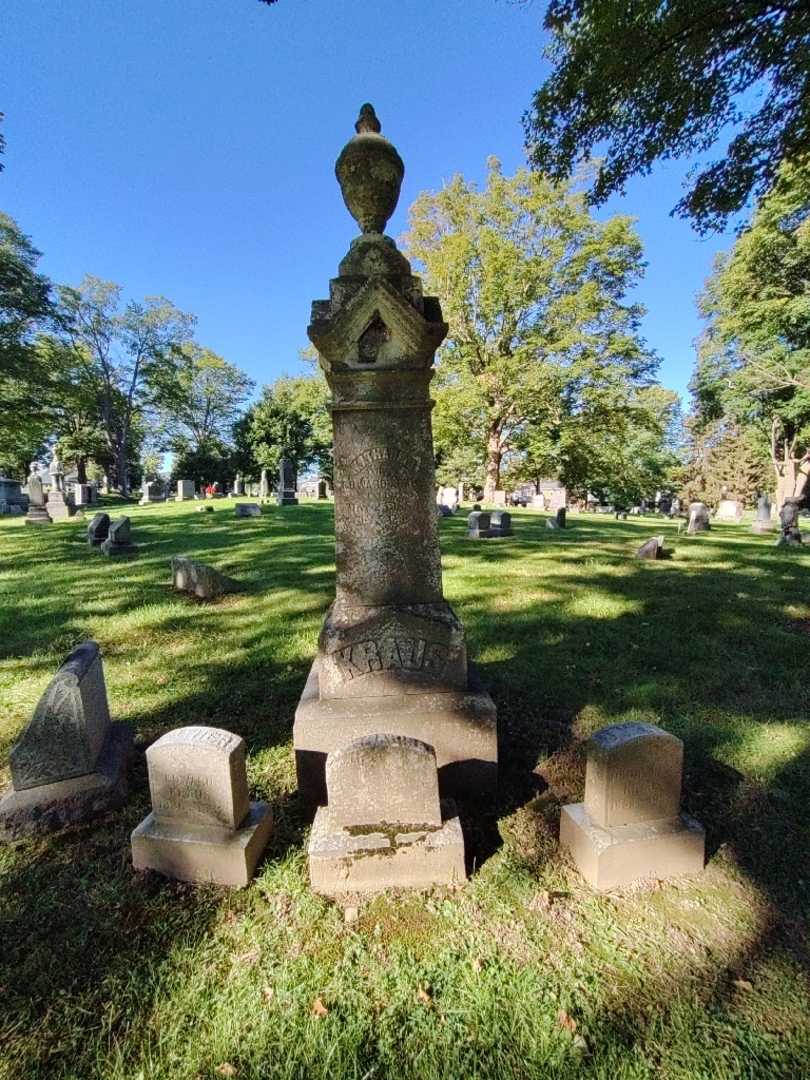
pixel 524 971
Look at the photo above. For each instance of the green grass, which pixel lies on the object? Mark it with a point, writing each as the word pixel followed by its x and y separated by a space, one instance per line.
pixel 108 973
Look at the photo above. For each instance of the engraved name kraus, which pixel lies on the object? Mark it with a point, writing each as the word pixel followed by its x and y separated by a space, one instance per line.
pixel 389 654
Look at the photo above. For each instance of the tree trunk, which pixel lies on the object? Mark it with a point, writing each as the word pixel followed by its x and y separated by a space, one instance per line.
pixel 121 467
pixel 81 470
pixel 494 456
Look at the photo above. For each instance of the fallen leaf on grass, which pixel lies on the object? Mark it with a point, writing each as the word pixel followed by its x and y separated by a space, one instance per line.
pixel 268 993
pixel 567 1022
pixel 251 957
pixel 423 996
pixel 743 984
pixel 226 1069
pixel 318 1008
pixel 477 964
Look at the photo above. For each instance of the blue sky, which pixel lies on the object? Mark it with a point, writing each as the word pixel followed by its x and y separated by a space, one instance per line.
pixel 186 147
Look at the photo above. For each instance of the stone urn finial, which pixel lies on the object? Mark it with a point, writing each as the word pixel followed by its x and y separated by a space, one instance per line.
pixel 369 171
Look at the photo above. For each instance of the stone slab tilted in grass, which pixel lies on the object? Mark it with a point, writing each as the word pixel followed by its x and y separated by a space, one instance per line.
pixel 203 826
pixel 630 826
pixel 69 765
pixel 698 519
pixel 98 530
pixel 118 540
pixel 201 580
pixel 384 826
pixel 478 522
pixel 247 510
pixel 392 654
pixel 652 548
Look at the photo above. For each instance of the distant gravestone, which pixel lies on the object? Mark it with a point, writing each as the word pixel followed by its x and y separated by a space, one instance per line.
pixel 82 495
pixel 37 514
pixel 201 580
pixel 384 826
pixel 499 497
pixel 185 490
pixel 322 489
pixel 500 524
pixel 248 510
pixel 789 520
pixel 59 507
pixel 448 496
pixel 118 540
pixel 203 826
pixel 443 511
pixel 238 485
pixel 763 522
pixel 151 492
pixel 286 483
pixel 69 765
pixel 630 825
pixel 98 530
pixel 559 517
pixel 652 549
pixel 264 485
pixel 698 518
pixel 729 510
pixel 478 525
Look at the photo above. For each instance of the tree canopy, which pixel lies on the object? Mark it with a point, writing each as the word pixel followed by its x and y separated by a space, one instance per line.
pixel 292 420
pixel 644 80
pixel 544 345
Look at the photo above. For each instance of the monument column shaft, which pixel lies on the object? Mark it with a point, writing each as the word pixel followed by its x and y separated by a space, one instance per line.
pixel 386 539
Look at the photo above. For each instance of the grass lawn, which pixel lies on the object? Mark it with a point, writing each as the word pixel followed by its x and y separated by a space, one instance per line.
pixel 523 972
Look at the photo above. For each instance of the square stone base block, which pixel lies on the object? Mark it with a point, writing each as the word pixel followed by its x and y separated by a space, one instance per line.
pixel 608 858
pixel 40 810
pixel 460 725
pixel 340 862
pixel 203 854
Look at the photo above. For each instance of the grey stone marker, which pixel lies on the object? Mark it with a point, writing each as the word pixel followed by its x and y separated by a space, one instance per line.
pixel 37 514
pixel 150 493
pixel 698 518
pixel 69 765
pixel 322 493
pixel 384 826
pixel 118 540
pixel 499 497
pixel 729 510
pixel 238 485
pixel 185 490
pixel 789 520
pixel 264 485
pixel 59 508
pixel 98 530
pixel 652 548
pixel 500 523
pixel 391 654
pixel 247 510
pixel 286 484
pixel 559 517
pixel 478 522
pixel 203 826
pixel 201 580
pixel 11 494
pixel 82 494
pixel 630 825
pixel 763 523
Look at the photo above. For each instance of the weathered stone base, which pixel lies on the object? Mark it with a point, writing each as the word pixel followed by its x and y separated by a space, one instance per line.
pixel 287 500
pixel 37 515
pixel 107 547
pixel 203 854
pixel 401 857
pixel 609 858
pixel 763 526
pixel 460 725
pixel 40 810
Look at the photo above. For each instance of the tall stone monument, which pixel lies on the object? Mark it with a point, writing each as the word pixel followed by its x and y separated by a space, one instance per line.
pixel 391 655
pixel 286 483
pixel 37 514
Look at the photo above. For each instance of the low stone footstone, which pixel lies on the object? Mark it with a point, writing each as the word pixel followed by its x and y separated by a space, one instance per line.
pixel 205 509
pixel 384 826
pixel 118 540
pixel 500 523
pixel 37 514
pixel 559 517
pixel 763 523
pixel 203 826
pixel 98 530
pixel 652 549
pixel 201 580
pixel 698 518
pixel 630 826
pixel 248 510
pixel 478 525
pixel 69 765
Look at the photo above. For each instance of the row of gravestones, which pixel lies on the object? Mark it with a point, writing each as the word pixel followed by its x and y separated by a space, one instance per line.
pixel 384 824
pixel 789 533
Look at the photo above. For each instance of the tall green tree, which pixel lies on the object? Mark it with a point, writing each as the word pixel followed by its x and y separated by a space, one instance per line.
pixel 644 80
pixel 754 358
pixel 292 420
pixel 125 349
pixel 535 293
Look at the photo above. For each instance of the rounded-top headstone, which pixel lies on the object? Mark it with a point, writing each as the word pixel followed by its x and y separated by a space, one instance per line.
pixel 383 780
pixel 198 776
pixel 633 775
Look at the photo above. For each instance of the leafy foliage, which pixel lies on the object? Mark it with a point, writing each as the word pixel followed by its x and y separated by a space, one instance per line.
pixel 542 341
pixel 292 420
pixel 651 80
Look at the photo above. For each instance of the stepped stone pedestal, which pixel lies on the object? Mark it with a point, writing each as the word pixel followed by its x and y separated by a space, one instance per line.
pixel 391 655
pixel 630 825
